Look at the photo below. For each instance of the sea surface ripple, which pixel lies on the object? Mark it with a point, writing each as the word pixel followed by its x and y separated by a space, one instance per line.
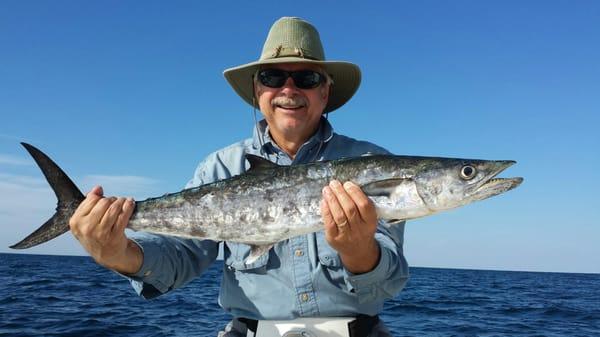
pixel 43 295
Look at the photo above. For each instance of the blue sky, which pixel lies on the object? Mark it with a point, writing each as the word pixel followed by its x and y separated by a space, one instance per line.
pixel 130 95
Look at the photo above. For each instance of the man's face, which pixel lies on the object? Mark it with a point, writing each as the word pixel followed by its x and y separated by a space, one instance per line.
pixel 292 113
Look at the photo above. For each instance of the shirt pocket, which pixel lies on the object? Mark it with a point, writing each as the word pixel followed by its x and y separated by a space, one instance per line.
pixel 238 253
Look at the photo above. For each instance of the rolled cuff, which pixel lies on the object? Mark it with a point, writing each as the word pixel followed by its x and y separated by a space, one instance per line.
pixel 152 268
pixel 146 282
pixel 386 280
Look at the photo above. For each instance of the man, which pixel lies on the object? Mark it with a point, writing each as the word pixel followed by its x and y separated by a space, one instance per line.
pixel 347 270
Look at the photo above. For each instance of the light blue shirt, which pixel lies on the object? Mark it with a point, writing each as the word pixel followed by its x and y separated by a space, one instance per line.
pixel 300 277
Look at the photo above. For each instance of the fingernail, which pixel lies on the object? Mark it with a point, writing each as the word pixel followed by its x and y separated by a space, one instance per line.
pixel 334 183
pixel 348 184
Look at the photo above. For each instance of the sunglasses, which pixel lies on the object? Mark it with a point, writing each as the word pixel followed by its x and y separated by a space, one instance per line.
pixel 303 79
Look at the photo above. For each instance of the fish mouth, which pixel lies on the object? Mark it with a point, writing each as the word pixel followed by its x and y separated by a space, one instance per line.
pixel 490 186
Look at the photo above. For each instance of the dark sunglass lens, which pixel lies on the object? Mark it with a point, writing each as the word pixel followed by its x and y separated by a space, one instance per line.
pixel 307 79
pixel 303 79
pixel 273 78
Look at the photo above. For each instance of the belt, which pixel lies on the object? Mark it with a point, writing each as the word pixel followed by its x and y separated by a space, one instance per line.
pixel 361 326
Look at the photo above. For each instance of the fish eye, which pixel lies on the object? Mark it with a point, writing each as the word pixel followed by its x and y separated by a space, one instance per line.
pixel 468 172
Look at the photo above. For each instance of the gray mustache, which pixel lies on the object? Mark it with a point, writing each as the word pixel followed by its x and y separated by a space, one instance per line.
pixel 289 101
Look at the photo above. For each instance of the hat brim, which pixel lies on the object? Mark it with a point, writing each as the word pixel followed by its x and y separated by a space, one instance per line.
pixel 346 79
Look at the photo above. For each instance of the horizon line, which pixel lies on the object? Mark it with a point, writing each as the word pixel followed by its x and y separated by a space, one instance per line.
pixel 410 266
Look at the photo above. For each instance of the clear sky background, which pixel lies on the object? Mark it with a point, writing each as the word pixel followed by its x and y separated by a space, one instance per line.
pixel 130 95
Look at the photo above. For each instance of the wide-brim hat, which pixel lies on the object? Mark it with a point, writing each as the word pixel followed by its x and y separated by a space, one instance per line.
pixel 293 40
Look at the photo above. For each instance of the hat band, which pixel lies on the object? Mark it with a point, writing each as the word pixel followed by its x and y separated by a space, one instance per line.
pixel 282 51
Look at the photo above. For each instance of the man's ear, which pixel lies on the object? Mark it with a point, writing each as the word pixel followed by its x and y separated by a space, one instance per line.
pixel 256 91
pixel 326 92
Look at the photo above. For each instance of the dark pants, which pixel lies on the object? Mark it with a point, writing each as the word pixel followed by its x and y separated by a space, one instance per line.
pixel 236 328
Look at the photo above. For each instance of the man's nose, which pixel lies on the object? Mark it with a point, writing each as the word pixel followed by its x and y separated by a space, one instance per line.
pixel 289 85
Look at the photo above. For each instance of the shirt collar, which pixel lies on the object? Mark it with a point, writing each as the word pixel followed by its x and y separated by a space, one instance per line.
pixel 323 134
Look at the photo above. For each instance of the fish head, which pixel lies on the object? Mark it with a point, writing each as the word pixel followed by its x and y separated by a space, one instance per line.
pixel 451 183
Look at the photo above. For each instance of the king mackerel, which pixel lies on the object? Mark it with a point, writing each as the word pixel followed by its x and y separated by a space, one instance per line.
pixel 271 203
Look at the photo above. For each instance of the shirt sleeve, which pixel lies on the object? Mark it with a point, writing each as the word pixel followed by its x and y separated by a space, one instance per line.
pixel 169 261
pixel 391 273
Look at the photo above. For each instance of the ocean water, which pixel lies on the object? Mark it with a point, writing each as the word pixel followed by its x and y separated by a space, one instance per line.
pixel 72 296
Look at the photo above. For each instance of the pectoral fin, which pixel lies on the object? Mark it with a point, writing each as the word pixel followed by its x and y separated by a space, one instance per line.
pixel 383 188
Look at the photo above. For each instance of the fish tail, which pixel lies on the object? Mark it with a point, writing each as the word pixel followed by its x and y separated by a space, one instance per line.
pixel 68 195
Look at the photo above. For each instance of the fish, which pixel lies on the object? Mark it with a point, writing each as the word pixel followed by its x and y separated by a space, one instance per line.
pixel 270 203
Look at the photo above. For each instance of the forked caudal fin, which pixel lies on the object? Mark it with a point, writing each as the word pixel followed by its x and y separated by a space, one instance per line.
pixel 68 195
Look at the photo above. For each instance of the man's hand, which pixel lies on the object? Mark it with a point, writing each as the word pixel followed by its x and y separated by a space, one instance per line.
pixel 99 225
pixel 350 225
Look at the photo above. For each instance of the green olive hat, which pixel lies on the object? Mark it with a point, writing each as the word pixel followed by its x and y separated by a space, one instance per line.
pixel 293 40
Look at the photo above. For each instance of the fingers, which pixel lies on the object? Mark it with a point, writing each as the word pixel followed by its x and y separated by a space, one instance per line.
pixel 110 216
pixel 336 212
pixel 124 216
pixel 350 225
pixel 97 190
pixel 101 207
pixel 364 205
pixel 344 207
pixel 93 196
pixel 331 230
pixel 97 216
pixel 350 208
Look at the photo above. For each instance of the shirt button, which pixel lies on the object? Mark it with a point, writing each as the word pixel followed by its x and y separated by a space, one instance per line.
pixel 304 297
pixel 299 252
pixel 147 273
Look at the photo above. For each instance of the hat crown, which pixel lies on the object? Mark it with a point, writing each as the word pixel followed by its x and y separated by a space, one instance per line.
pixel 291 36
pixel 293 40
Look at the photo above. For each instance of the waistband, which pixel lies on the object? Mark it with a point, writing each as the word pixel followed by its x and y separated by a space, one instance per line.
pixel 361 326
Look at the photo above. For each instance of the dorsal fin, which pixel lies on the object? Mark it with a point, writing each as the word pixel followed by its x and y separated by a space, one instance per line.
pixel 258 162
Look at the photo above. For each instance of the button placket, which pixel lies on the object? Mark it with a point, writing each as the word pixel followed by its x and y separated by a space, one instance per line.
pixel 302 276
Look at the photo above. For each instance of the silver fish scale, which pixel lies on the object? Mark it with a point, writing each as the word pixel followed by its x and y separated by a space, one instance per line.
pixel 271 203
pixel 261 206
pixel 255 208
